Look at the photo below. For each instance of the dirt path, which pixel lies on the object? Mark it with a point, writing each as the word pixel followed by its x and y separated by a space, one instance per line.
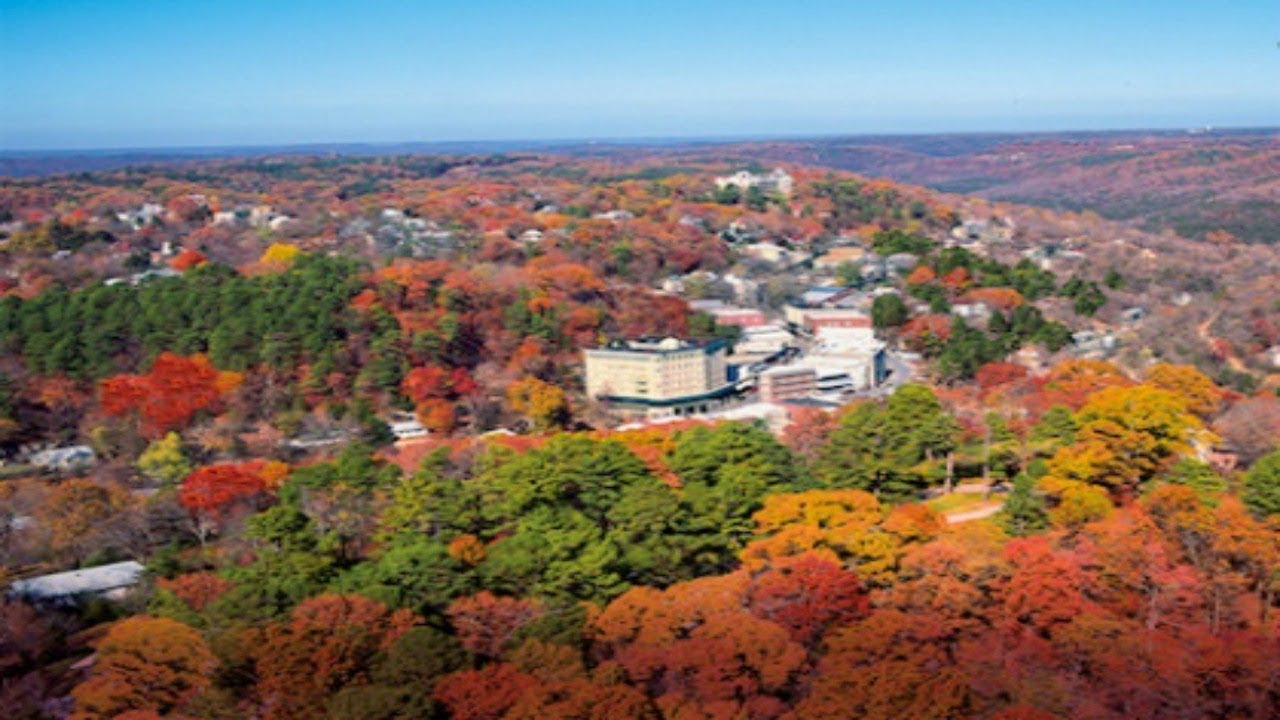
pixel 971 515
pixel 1202 330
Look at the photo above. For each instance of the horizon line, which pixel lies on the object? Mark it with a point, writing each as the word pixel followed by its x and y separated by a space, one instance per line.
pixel 303 147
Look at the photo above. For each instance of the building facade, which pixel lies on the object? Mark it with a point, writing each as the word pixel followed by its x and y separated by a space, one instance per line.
pixel 787 383
pixel 817 319
pixel 742 317
pixel 654 378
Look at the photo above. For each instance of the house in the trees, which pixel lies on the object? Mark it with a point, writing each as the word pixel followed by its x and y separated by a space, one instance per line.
pixel 111 582
pixel 777 181
pixel 837 256
pixel 1133 314
pixel 143 216
pixel 405 426
pixel 64 459
pixel 1093 345
pixel 532 236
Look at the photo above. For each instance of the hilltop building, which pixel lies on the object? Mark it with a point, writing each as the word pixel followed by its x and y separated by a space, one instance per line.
pixel 659 377
pixel 777 181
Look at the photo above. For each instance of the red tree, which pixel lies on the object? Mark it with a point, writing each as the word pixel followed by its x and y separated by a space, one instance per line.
pixel 485 622
pixel 187 259
pixel 197 589
pixel 806 594
pixel 167 397
pixel 329 643
pixel 484 694
pixel 216 492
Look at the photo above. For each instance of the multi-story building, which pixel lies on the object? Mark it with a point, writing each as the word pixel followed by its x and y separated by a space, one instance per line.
pixel 659 377
pixel 787 382
pixel 742 317
pixel 816 319
pixel 845 359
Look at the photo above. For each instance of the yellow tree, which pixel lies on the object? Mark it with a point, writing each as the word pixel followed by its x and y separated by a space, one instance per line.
pixel 1126 436
pixel 543 403
pixel 1200 394
pixel 279 256
pixel 848 525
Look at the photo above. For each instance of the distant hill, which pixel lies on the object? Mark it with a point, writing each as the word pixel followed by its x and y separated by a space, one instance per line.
pixel 1194 183
pixel 44 163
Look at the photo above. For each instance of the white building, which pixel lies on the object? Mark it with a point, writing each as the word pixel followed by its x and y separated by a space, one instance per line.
pixel 777 181
pixel 972 311
pixel 614 215
pixel 145 275
pixel 1092 344
pixel 772 415
pixel 763 340
pixel 744 289
pixel 531 236
pixel 773 253
pixel 654 378
pixel 406 427
pixel 846 359
pixel 225 217
pixel 142 216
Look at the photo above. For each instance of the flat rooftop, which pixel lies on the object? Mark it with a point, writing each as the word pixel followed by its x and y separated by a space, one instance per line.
pixel 660 346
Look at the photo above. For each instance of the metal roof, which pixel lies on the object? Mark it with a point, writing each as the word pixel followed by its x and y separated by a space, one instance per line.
pixel 80 582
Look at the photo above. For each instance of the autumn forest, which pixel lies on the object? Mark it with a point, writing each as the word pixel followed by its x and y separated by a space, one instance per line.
pixel 329 414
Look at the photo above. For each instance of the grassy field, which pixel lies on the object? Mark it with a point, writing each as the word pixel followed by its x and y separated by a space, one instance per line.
pixel 958 502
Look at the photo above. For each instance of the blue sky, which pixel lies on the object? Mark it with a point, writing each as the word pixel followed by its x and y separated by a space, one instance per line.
pixel 102 73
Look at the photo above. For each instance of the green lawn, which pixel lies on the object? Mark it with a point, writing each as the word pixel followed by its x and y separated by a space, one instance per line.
pixel 956 502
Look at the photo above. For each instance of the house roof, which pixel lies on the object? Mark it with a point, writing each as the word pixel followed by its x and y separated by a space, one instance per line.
pixel 63 455
pixel 80 582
